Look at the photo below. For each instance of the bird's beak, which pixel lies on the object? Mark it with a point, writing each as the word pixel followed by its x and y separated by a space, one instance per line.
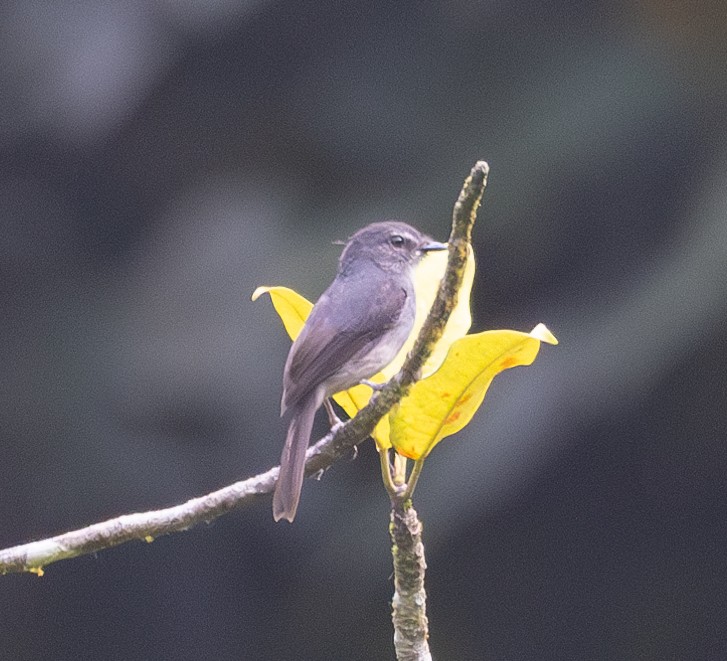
pixel 433 245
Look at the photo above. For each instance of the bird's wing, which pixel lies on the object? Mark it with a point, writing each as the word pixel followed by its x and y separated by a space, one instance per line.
pixel 345 323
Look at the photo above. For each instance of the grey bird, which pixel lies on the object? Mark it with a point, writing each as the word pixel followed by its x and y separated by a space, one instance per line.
pixel 355 329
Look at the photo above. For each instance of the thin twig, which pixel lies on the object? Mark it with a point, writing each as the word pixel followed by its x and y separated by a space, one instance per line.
pixel 409 612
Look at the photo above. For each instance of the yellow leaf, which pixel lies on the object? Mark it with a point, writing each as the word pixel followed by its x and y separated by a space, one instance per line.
pixel 38 571
pixel 444 403
pixel 291 307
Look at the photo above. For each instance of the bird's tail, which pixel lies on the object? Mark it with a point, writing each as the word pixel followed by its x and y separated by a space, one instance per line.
pixel 292 461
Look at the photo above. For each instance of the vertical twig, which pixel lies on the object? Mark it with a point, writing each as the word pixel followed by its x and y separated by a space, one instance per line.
pixel 409 613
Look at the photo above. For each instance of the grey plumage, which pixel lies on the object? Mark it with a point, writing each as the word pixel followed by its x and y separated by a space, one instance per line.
pixel 355 329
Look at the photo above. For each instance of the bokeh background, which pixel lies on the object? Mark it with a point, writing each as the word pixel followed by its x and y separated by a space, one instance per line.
pixel 160 159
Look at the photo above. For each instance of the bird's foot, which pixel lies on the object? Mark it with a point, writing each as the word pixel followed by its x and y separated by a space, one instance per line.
pixel 376 387
pixel 333 419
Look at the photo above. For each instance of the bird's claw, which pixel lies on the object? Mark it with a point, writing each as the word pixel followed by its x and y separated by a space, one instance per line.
pixel 376 387
pixel 333 419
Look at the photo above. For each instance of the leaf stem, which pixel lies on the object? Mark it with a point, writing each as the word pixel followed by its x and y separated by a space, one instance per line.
pixel 413 479
pixel 400 463
pixel 386 472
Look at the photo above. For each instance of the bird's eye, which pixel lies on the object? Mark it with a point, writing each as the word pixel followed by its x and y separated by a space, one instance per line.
pixel 396 240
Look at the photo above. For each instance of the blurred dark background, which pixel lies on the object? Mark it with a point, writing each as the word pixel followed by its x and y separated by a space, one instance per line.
pixel 159 160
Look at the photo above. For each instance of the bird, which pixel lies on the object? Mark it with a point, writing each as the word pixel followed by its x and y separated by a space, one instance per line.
pixel 355 329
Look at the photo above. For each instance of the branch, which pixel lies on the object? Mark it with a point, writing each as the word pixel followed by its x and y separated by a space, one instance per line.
pixel 409 614
pixel 34 556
